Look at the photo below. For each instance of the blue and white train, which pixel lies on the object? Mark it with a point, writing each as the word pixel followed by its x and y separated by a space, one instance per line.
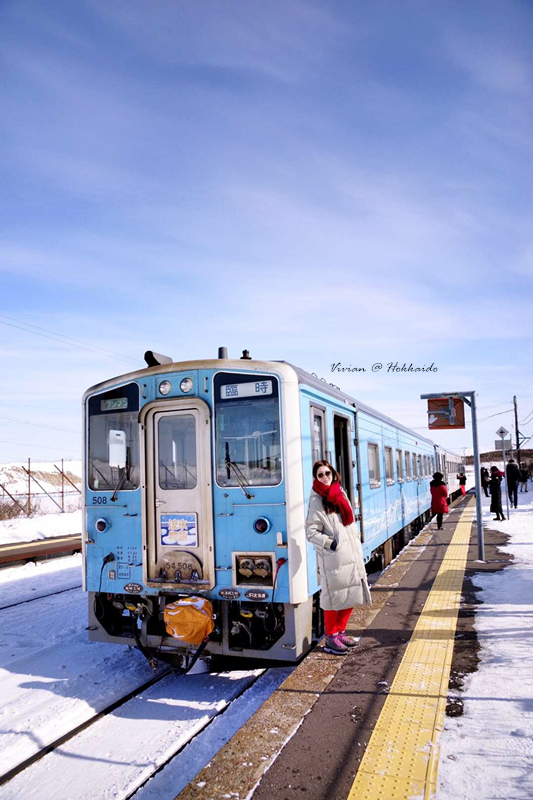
pixel 197 476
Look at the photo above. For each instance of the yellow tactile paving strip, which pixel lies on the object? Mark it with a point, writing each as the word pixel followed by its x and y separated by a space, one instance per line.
pixel 401 758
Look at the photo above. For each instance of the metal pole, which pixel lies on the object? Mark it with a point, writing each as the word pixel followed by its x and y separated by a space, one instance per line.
pixel 29 485
pixel 518 457
pixel 477 468
pixel 505 473
pixel 62 487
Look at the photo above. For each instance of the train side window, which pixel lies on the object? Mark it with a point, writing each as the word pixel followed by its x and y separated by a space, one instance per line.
pixel 399 465
pixel 318 433
pixel 407 465
pixel 415 472
pixel 374 473
pixel 389 466
pixel 343 456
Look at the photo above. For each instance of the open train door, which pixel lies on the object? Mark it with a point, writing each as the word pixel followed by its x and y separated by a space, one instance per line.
pixel 346 460
pixel 178 513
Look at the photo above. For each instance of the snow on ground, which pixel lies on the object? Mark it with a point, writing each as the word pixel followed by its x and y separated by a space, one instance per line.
pixel 488 752
pixel 30 581
pixel 43 526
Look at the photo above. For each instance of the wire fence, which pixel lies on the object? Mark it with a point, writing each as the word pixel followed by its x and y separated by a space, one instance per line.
pixel 39 497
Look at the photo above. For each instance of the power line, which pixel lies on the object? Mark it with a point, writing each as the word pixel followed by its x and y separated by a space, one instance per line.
pixel 42 446
pixel 69 343
pixel 39 424
pixel 524 421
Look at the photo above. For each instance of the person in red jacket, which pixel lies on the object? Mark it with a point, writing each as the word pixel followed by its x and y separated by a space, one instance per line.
pixel 439 497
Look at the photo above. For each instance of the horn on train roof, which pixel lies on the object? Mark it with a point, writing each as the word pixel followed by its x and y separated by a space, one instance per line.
pixel 156 359
pixel 222 352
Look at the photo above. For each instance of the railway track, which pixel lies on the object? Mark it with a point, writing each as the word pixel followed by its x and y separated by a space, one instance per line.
pixel 136 737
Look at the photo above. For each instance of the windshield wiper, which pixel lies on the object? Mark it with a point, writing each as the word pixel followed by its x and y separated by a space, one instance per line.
pixel 239 477
pixel 125 476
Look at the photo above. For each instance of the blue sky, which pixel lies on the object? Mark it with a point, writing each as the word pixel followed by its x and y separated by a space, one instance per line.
pixel 321 183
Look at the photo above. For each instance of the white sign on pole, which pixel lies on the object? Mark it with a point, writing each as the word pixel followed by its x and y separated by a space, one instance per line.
pixel 505 442
pixel 502 432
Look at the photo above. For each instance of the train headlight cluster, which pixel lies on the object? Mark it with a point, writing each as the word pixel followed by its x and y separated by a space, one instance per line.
pixel 102 525
pixel 165 387
pixel 186 385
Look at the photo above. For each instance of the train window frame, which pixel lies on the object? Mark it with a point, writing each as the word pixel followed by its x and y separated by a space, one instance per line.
pixel 373 447
pixel 407 459
pixel 177 420
pixel 254 377
pixel 320 412
pixel 415 470
pixel 389 465
pixel 130 389
pixel 399 464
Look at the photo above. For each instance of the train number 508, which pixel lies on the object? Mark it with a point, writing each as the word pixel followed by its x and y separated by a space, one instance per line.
pixel 99 501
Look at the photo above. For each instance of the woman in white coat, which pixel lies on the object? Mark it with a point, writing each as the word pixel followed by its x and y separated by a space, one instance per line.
pixel 330 526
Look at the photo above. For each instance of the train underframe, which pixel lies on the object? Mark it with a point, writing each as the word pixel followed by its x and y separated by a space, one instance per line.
pixel 273 631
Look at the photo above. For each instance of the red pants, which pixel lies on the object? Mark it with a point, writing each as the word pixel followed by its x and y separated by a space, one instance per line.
pixel 463 490
pixel 336 621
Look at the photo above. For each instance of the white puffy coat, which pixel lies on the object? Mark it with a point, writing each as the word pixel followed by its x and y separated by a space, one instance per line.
pixel 342 571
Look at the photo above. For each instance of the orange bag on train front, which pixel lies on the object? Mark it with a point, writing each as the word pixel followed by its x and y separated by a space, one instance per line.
pixel 189 619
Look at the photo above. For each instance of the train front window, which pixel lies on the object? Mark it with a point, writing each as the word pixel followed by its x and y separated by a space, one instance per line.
pixel 247 430
pixel 113 454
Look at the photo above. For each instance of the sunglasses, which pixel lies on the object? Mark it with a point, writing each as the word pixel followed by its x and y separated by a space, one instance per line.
pixel 323 474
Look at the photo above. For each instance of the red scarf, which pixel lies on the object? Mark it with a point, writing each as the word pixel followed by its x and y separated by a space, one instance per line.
pixel 333 494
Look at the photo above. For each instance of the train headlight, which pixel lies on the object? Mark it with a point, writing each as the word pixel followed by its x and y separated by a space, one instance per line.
pixel 102 525
pixel 261 525
pixel 165 387
pixel 186 385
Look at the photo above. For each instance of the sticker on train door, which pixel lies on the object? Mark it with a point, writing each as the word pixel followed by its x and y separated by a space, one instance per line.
pixel 179 529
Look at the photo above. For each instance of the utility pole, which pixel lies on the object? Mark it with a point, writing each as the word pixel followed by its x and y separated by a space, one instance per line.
pixel 518 458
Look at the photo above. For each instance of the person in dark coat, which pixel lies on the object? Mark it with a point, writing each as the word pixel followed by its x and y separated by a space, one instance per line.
pixel 485 480
pixel 524 476
pixel 496 493
pixel 439 497
pixel 513 479
pixel 462 482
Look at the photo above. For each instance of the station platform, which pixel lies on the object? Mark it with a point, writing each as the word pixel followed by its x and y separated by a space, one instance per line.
pixel 367 725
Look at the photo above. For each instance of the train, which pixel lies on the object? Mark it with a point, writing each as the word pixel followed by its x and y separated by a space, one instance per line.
pixel 196 481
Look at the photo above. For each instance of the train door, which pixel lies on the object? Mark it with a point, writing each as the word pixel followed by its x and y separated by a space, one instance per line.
pixel 344 463
pixel 179 546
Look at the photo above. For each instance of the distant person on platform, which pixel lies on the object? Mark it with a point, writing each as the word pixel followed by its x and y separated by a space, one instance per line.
pixel 462 482
pixel 496 494
pixel 439 497
pixel 513 479
pixel 485 480
pixel 524 475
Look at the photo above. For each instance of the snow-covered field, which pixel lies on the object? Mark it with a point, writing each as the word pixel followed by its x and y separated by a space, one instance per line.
pixel 488 752
pixel 43 526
